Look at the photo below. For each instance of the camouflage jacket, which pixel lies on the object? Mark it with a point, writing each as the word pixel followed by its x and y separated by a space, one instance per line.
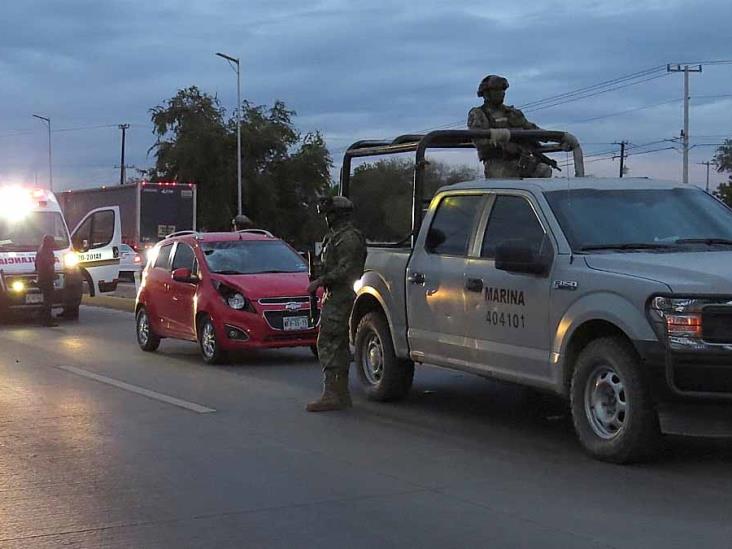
pixel 506 116
pixel 343 257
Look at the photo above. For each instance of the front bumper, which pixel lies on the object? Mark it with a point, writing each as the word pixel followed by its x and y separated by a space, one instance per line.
pixel 67 291
pixel 238 330
pixel 693 390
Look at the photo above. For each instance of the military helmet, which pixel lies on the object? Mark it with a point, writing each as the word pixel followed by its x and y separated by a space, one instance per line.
pixel 242 222
pixel 334 205
pixel 492 82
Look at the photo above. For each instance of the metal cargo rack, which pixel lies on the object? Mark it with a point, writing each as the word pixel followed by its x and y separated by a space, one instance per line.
pixel 453 139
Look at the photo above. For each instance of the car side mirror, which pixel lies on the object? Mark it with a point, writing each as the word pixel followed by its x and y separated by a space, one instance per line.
pixel 185 275
pixel 524 256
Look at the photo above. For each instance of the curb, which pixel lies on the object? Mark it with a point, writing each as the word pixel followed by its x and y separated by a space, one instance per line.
pixel 109 302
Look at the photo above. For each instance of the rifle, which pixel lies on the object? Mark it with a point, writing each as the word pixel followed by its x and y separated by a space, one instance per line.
pixel 314 314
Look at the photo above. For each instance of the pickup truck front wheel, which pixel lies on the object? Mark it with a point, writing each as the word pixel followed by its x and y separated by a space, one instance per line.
pixel 612 409
pixel 384 375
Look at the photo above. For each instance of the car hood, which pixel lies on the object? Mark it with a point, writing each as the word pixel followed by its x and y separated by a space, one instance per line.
pixel 708 272
pixel 257 286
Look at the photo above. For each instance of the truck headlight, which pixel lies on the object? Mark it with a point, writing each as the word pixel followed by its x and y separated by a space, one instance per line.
pixel 679 320
pixel 71 260
pixel 17 286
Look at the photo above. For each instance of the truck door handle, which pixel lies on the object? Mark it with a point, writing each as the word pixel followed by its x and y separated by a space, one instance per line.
pixel 416 278
pixel 474 285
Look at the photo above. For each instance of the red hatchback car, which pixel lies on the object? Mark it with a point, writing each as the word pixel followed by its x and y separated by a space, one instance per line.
pixel 226 291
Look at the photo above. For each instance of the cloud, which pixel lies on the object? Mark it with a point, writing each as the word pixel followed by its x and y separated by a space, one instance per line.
pixel 352 70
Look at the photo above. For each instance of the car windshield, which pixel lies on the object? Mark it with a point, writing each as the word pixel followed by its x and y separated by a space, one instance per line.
pixel 252 257
pixel 27 233
pixel 679 219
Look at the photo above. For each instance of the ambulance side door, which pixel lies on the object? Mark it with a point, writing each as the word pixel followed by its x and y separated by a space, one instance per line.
pixel 97 239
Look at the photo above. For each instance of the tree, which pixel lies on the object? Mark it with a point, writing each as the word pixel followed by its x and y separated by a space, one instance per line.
pixel 723 157
pixel 382 194
pixel 283 171
pixel 723 162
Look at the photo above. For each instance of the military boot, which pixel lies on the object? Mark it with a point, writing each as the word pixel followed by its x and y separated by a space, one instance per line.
pixel 331 398
pixel 342 389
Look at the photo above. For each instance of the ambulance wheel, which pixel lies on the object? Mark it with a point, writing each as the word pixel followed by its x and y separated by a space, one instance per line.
pixel 71 313
pixel 146 338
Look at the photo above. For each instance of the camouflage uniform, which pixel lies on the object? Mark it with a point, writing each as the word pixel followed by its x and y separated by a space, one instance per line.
pixel 510 159
pixel 343 258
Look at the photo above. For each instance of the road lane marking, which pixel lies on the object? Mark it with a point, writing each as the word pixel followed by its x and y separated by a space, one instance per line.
pixel 139 390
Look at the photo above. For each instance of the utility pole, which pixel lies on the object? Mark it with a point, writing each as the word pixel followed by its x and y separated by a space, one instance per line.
pixel 622 156
pixel 47 120
pixel 686 69
pixel 707 163
pixel 122 166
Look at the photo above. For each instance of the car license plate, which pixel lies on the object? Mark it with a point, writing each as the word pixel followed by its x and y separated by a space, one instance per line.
pixel 32 299
pixel 295 323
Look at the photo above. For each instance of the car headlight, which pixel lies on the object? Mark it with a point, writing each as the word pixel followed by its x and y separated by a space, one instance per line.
pixel 678 320
pixel 236 301
pixel 71 260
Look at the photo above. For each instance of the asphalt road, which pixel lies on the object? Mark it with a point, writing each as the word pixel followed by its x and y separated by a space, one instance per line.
pixel 116 461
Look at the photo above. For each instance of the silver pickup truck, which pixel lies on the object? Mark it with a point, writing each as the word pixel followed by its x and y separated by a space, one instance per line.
pixel 613 293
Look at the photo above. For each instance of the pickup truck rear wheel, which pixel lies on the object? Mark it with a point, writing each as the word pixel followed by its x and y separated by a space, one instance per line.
pixel 384 376
pixel 612 410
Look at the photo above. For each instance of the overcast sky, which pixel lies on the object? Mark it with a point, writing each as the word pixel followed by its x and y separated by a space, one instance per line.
pixel 354 70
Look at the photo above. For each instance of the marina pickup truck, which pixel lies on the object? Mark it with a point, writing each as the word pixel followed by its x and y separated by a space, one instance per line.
pixel 615 294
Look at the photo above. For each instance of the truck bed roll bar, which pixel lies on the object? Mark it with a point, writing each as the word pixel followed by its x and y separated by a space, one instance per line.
pixel 556 141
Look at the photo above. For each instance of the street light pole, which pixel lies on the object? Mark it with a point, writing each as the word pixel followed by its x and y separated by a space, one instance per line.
pixel 50 169
pixel 234 62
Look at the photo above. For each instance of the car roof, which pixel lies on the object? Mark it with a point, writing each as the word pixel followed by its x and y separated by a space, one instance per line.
pixel 574 183
pixel 231 236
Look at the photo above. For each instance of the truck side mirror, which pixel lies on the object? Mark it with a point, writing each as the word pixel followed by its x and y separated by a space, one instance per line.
pixel 524 256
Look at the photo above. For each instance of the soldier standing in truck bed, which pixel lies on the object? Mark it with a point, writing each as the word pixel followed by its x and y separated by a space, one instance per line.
pixel 511 159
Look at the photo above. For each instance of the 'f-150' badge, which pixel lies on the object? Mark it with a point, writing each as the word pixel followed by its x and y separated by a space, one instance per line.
pixel 565 285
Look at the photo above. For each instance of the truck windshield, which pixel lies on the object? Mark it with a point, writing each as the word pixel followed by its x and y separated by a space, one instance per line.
pixel 26 234
pixel 252 257
pixel 642 219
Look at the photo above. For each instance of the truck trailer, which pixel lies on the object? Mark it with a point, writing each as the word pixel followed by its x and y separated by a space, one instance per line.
pixel 149 210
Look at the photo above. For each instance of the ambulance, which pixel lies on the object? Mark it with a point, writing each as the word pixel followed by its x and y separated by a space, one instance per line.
pixel 90 253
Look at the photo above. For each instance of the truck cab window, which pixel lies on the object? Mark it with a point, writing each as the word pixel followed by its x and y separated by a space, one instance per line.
pixel 102 229
pixel 512 218
pixel 453 225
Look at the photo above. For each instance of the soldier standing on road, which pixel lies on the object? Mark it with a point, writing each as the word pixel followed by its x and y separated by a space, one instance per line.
pixel 343 258
pixel 504 160
pixel 45 269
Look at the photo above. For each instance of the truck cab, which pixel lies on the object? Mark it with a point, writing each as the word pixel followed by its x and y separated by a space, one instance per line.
pixel 26 215
pixel 615 294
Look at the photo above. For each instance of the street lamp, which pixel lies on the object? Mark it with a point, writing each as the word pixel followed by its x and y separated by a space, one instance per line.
pixel 234 63
pixel 50 170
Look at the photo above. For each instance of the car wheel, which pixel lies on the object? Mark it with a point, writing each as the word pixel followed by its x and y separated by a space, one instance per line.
pixel 146 338
pixel 210 349
pixel 612 410
pixel 384 376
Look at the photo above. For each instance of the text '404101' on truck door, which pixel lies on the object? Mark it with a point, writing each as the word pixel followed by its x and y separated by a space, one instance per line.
pixel 615 294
